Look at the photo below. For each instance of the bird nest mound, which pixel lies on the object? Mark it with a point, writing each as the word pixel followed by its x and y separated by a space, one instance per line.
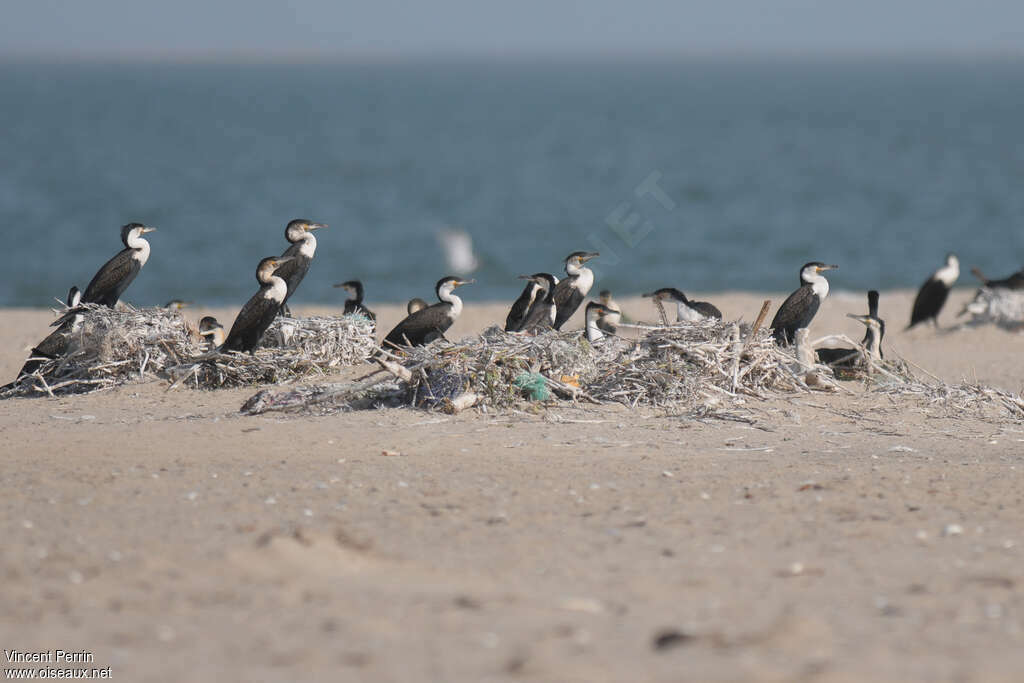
pixel 998 306
pixel 112 347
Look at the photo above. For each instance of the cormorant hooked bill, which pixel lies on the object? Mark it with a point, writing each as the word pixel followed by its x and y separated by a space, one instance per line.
pixel 56 343
pixel 521 307
pixel 257 314
pixel 110 281
pixel 609 319
pixel 933 293
pixel 686 309
pixel 543 312
pixel 303 246
pixel 428 324
pixel 354 304
pixel 797 311
pixel 570 292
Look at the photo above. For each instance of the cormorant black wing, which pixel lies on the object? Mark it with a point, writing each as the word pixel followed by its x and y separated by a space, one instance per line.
pixel 706 309
pixel 929 301
pixel 567 300
pixel 421 327
pixel 250 324
pixel 110 281
pixel 796 312
pixel 520 310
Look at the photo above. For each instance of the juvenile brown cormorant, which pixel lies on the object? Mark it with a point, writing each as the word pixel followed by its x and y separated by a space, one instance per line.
pixel 354 304
pixel 609 319
pixel 415 304
pixel 110 281
pixel 542 313
pixel 428 324
pixel 933 293
pixel 570 292
pixel 872 341
pixel 257 314
pixel 521 307
pixel 797 311
pixel 56 343
pixel 686 309
pixel 211 331
pixel 303 247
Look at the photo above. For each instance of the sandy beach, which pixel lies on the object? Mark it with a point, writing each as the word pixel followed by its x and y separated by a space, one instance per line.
pixel 824 537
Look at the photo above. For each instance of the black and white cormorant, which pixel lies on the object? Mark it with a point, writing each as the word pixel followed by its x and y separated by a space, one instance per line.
pixel 592 316
pixel 1015 281
pixel 609 319
pixel 110 281
pixel 933 293
pixel 521 307
pixel 415 304
pixel 542 314
pixel 56 343
pixel 687 310
pixel 570 292
pixel 303 247
pixel 211 331
pixel 872 341
pixel 354 304
pixel 799 308
pixel 430 323
pixel 257 314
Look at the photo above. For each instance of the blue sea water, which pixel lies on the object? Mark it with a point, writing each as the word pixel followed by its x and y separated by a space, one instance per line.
pixel 700 175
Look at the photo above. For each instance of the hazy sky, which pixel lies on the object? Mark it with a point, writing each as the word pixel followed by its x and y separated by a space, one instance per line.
pixel 198 29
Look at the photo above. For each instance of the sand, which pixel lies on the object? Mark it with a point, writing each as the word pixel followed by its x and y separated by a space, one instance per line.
pixel 831 537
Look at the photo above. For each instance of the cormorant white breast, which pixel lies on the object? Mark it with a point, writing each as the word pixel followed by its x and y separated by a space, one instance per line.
pixel 428 324
pixel 257 314
pixel 570 292
pixel 933 293
pixel 521 307
pixel 592 315
pixel 797 311
pixel 609 319
pixel 303 247
pixel 110 281
pixel 211 331
pixel 354 304
pixel 686 309
pixel 543 312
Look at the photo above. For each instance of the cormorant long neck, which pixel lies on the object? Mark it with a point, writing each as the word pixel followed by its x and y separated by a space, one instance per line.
pixel 949 273
pixel 817 281
pixel 357 297
pixel 594 332
pixel 874 342
pixel 446 294
pixel 549 296
pixel 308 244
pixel 583 277
pixel 273 286
pixel 139 245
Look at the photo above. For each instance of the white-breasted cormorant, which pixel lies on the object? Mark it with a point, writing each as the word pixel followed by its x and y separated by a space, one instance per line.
pixel 430 323
pixel 303 247
pixel 212 332
pixel 110 281
pixel 570 292
pixel 609 319
pixel 521 307
pixel 686 309
pixel 933 293
pixel 354 304
pixel 543 312
pixel 797 311
pixel 591 317
pixel 872 341
pixel 415 304
pixel 257 314
pixel 56 343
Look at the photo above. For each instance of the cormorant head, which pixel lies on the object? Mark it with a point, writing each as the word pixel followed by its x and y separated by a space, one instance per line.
pixel 869 321
pixel 545 280
pixel 578 258
pixel 669 293
pixel 74 297
pixel 134 230
pixel 208 325
pixel 296 230
pixel 447 285
pixel 594 309
pixel 812 270
pixel 352 287
pixel 176 304
pixel 416 304
pixel 268 265
pixel 605 296
pixel 952 260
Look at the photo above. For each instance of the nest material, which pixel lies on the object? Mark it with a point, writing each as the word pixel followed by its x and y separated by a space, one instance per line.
pixel 117 346
pixel 999 306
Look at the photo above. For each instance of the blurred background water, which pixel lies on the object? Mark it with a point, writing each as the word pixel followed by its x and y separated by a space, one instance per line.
pixel 881 167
